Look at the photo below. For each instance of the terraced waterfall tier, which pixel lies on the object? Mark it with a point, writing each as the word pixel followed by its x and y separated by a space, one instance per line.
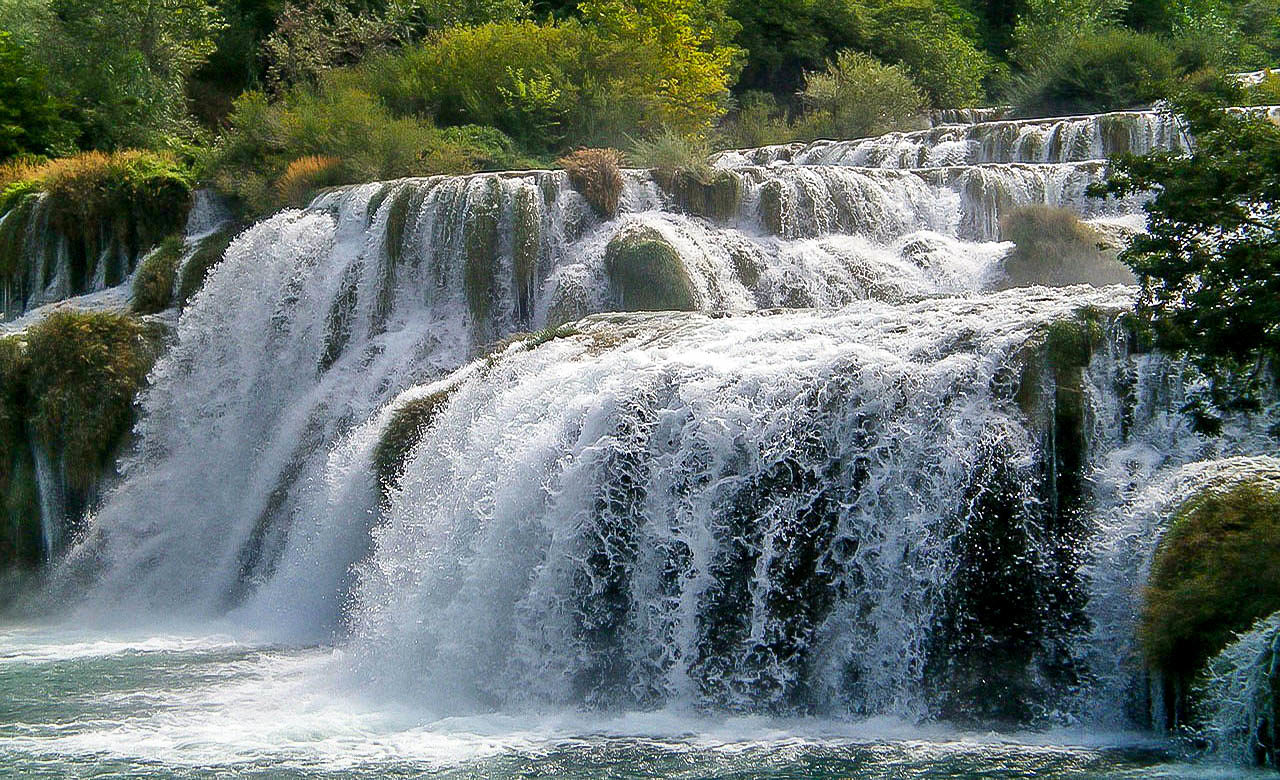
pixel 764 441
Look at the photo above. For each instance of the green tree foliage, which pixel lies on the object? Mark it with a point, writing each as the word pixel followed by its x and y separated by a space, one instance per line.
pixel 314 36
pixel 555 85
pixel 934 41
pixel 122 66
pixel 858 96
pixel 29 116
pixel 1102 71
pixel 1047 26
pixel 333 133
pixel 1209 263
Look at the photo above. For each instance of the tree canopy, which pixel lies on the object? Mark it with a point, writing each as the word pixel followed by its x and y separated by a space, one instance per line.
pixel 1209 262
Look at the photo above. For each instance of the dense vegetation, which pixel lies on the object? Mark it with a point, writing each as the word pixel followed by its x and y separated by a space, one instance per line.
pixel 1209 263
pixel 271 100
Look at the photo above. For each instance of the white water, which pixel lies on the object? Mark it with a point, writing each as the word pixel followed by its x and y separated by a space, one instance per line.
pixel 739 509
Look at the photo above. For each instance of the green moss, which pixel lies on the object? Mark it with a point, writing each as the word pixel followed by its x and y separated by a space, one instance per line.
pixel 746 264
pixel 20 538
pixel 1115 131
pixel 1216 571
pixel 153 284
pixel 526 247
pixel 647 273
pixel 408 424
pixel 403 202
pixel 771 207
pixel 1070 343
pixel 85 370
pixel 209 253
pixel 480 240
pixel 13 236
pixel 716 196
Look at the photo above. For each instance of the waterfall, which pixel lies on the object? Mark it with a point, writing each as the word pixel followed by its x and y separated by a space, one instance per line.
pixel 848 479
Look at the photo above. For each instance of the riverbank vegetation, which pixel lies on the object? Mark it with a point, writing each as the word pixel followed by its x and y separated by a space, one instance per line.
pixel 273 100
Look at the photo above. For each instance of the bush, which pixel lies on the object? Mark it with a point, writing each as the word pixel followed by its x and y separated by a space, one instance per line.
pixel 596 174
pixel 759 121
pixel 153 284
pixel 305 176
pixel 1052 247
pixel 1103 71
pixel 347 129
pixel 550 85
pixel 670 152
pixel 647 274
pixel 85 369
pixel 1216 571
pixel 858 96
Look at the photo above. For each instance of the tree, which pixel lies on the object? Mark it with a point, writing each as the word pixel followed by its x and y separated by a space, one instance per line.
pixel 695 60
pixel 123 66
pixel 29 119
pixel 859 96
pixel 1209 263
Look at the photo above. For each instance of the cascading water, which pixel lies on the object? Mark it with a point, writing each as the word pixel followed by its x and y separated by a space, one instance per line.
pixel 853 482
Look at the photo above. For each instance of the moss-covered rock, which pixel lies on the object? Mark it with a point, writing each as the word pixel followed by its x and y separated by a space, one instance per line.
pixel 153 284
pixel 526 238
pixel 1215 572
pixel 771 207
pixel 14 227
pixel 481 244
pixel 716 196
pixel 111 207
pixel 84 370
pixel 207 254
pixel 20 513
pixel 408 424
pixel 647 274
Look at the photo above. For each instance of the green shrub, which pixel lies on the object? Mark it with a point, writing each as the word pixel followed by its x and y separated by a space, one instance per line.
pixel 346 126
pixel 1216 571
pixel 858 96
pixel 933 47
pixel 207 254
pixel 305 177
pixel 1102 71
pixel 595 173
pixel 760 120
pixel 647 274
pixel 670 152
pixel 553 85
pixel 121 67
pixel 1052 247
pixel 85 370
pixel 153 283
